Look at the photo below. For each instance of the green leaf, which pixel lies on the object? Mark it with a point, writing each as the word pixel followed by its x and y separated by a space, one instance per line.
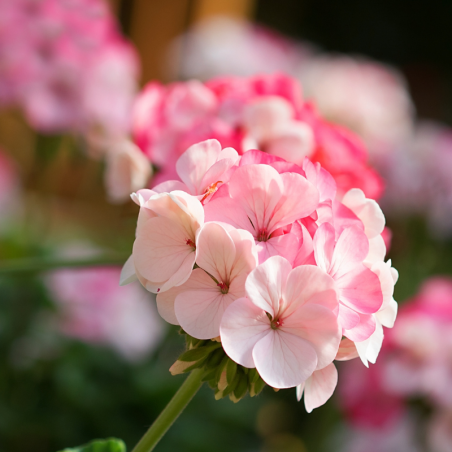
pixel 195 354
pixel 231 369
pixel 100 445
pixel 241 388
pixel 215 359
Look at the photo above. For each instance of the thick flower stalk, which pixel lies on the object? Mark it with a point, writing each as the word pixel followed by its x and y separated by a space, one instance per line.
pixel 270 277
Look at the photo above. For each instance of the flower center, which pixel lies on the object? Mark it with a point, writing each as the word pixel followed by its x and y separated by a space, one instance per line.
pixel 212 188
pixel 262 235
pixel 223 287
pixel 274 323
pixel 190 243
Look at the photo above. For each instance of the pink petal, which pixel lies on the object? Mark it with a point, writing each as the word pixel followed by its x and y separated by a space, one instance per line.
pixel 200 306
pixel 265 285
pixel 242 326
pixel 305 254
pixel 215 251
pixel 255 157
pixel 319 327
pixel 388 314
pixel 128 274
pixel 245 259
pixel 299 199
pixel 360 289
pixel 377 250
pixel 293 141
pixel 324 242
pixel 162 253
pixel 195 161
pixel 284 245
pixel 224 209
pixel 363 330
pixel 347 318
pixel 320 387
pixel 351 248
pixel 321 179
pixel 367 210
pixel 309 283
pixel 347 350
pixel 284 360
pixel 171 185
pixel 166 300
pixel 369 349
pixel 257 189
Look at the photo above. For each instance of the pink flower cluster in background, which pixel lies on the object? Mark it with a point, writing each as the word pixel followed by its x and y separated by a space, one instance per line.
pixel 368 97
pixel 415 363
pixel 419 177
pixel 93 308
pixel 65 63
pixel 265 112
pixel 259 252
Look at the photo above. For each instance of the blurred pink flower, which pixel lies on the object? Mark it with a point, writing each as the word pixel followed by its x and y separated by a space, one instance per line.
pixel 420 363
pixel 66 64
pixel 369 98
pixel 94 308
pixel 265 112
pixel 419 177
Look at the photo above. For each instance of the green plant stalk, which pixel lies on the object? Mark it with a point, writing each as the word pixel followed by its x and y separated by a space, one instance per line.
pixel 37 265
pixel 171 412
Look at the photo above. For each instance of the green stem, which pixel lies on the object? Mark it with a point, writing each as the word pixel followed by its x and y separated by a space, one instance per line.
pixel 172 411
pixel 36 265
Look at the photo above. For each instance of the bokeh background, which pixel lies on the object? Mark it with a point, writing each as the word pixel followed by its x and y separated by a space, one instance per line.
pixel 82 359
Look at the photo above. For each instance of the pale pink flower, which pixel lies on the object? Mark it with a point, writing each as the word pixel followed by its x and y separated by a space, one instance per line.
pixel 203 168
pixel 164 251
pixel 318 388
pixel 225 257
pixel 285 327
pixel 93 308
pixel 262 201
pixel 359 289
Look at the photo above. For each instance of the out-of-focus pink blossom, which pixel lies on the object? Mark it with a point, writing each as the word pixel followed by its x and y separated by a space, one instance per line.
pixel 420 363
pixel 419 177
pixel 265 112
pixel 226 46
pixel 364 398
pixel 93 308
pixel 66 65
pixel 368 97
pixel 127 170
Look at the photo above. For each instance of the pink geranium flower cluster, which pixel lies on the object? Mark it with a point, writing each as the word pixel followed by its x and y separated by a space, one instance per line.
pixel 415 363
pixel 265 112
pixel 65 63
pixel 258 253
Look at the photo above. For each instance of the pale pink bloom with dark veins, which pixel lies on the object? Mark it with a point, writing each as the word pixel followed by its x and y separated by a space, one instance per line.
pixel 164 251
pixel 225 256
pixel 286 326
pixel 262 201
pixel 359 289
